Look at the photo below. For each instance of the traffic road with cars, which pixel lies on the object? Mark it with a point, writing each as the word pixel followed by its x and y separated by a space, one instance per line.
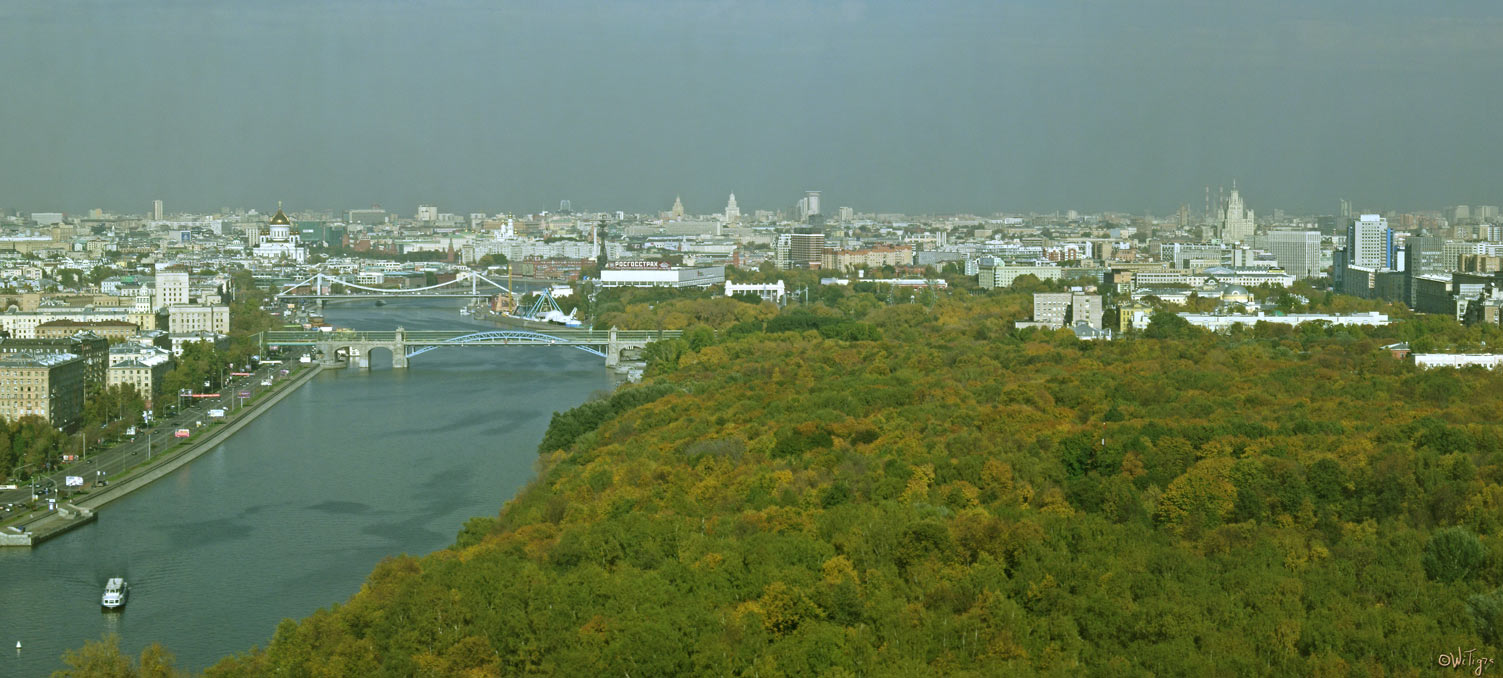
pixel 96 470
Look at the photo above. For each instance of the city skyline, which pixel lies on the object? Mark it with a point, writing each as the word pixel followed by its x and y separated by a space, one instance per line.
pixel 1218 204
pixel 976 107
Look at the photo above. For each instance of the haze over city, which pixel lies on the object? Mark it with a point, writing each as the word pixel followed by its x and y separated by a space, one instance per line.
pixel 759 338
pixel 886 106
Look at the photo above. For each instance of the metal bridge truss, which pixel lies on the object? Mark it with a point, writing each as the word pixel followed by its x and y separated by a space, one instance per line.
pixel 322 281
pixel 412 343
pixel 502 337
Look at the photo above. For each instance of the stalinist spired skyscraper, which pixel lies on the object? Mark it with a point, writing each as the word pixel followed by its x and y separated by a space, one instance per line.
pixel 732 212
pixel 1236 220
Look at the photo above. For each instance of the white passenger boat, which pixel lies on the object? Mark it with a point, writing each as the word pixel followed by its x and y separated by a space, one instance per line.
pixel 115 591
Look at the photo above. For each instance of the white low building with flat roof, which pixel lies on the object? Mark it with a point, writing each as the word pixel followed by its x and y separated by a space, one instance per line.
pixel 1218 322
pixel 651 274
pixel 773 292
pixel 1429 360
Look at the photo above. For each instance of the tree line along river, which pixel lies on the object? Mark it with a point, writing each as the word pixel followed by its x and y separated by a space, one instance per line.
pixel 292 512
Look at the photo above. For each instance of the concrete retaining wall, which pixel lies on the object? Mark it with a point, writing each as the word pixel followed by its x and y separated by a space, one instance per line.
pixel 113 491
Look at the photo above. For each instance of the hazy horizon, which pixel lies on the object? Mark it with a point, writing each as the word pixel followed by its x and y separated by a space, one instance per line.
pixel 967 106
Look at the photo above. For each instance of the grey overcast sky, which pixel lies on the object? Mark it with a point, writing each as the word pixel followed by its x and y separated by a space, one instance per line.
pixel 964 106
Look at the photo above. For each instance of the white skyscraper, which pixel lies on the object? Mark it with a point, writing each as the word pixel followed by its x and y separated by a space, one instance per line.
pixel 156 210
pixel 428 213
pixel 1369 242
pixel 732 212
pixel 1237 223
pixel 1298 252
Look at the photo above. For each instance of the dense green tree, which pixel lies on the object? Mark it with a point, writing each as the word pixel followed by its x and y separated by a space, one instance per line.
pixel 1453 554
pixel 103 659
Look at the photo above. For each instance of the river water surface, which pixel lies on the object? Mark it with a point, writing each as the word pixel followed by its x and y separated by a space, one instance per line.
pixel 292 512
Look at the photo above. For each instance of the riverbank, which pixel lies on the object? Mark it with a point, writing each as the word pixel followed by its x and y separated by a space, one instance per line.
pixel 81 512
pixel 299 507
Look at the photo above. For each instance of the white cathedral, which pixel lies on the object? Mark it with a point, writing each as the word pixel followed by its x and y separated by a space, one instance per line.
pixel 280 242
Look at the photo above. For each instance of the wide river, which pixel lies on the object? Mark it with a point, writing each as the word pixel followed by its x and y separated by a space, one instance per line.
pixel 292 512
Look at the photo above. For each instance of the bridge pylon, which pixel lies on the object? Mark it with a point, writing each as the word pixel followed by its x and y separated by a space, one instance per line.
pixel 399 350
pixel 612 349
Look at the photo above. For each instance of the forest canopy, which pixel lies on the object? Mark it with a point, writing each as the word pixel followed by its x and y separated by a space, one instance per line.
pixel 862 487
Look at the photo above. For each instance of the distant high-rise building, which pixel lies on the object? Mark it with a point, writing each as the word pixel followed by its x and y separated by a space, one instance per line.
pixel 1298 252
pixel 847 215
pixel 1237 223
pixel 370 217
pixel 808 206
pixel 565 207
pixel 800 250
pixel 156 210
pixel 732 211
pixel 427 213
pixel 1423 255
pixel 1343 217
pixel 1369 243
pixel 678 208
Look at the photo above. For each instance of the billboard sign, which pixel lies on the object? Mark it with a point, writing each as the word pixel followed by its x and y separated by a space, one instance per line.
pixel 73 481
pixel 639 265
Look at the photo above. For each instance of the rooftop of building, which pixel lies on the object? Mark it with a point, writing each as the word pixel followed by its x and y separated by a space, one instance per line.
pixel 85 323
pixel 29 359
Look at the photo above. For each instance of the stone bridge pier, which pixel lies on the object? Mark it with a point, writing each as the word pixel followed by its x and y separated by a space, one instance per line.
pixel 359 352
pixel 615 345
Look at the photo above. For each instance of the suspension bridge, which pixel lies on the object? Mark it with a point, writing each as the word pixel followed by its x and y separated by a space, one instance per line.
pixel 407 344
pixel 323 286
